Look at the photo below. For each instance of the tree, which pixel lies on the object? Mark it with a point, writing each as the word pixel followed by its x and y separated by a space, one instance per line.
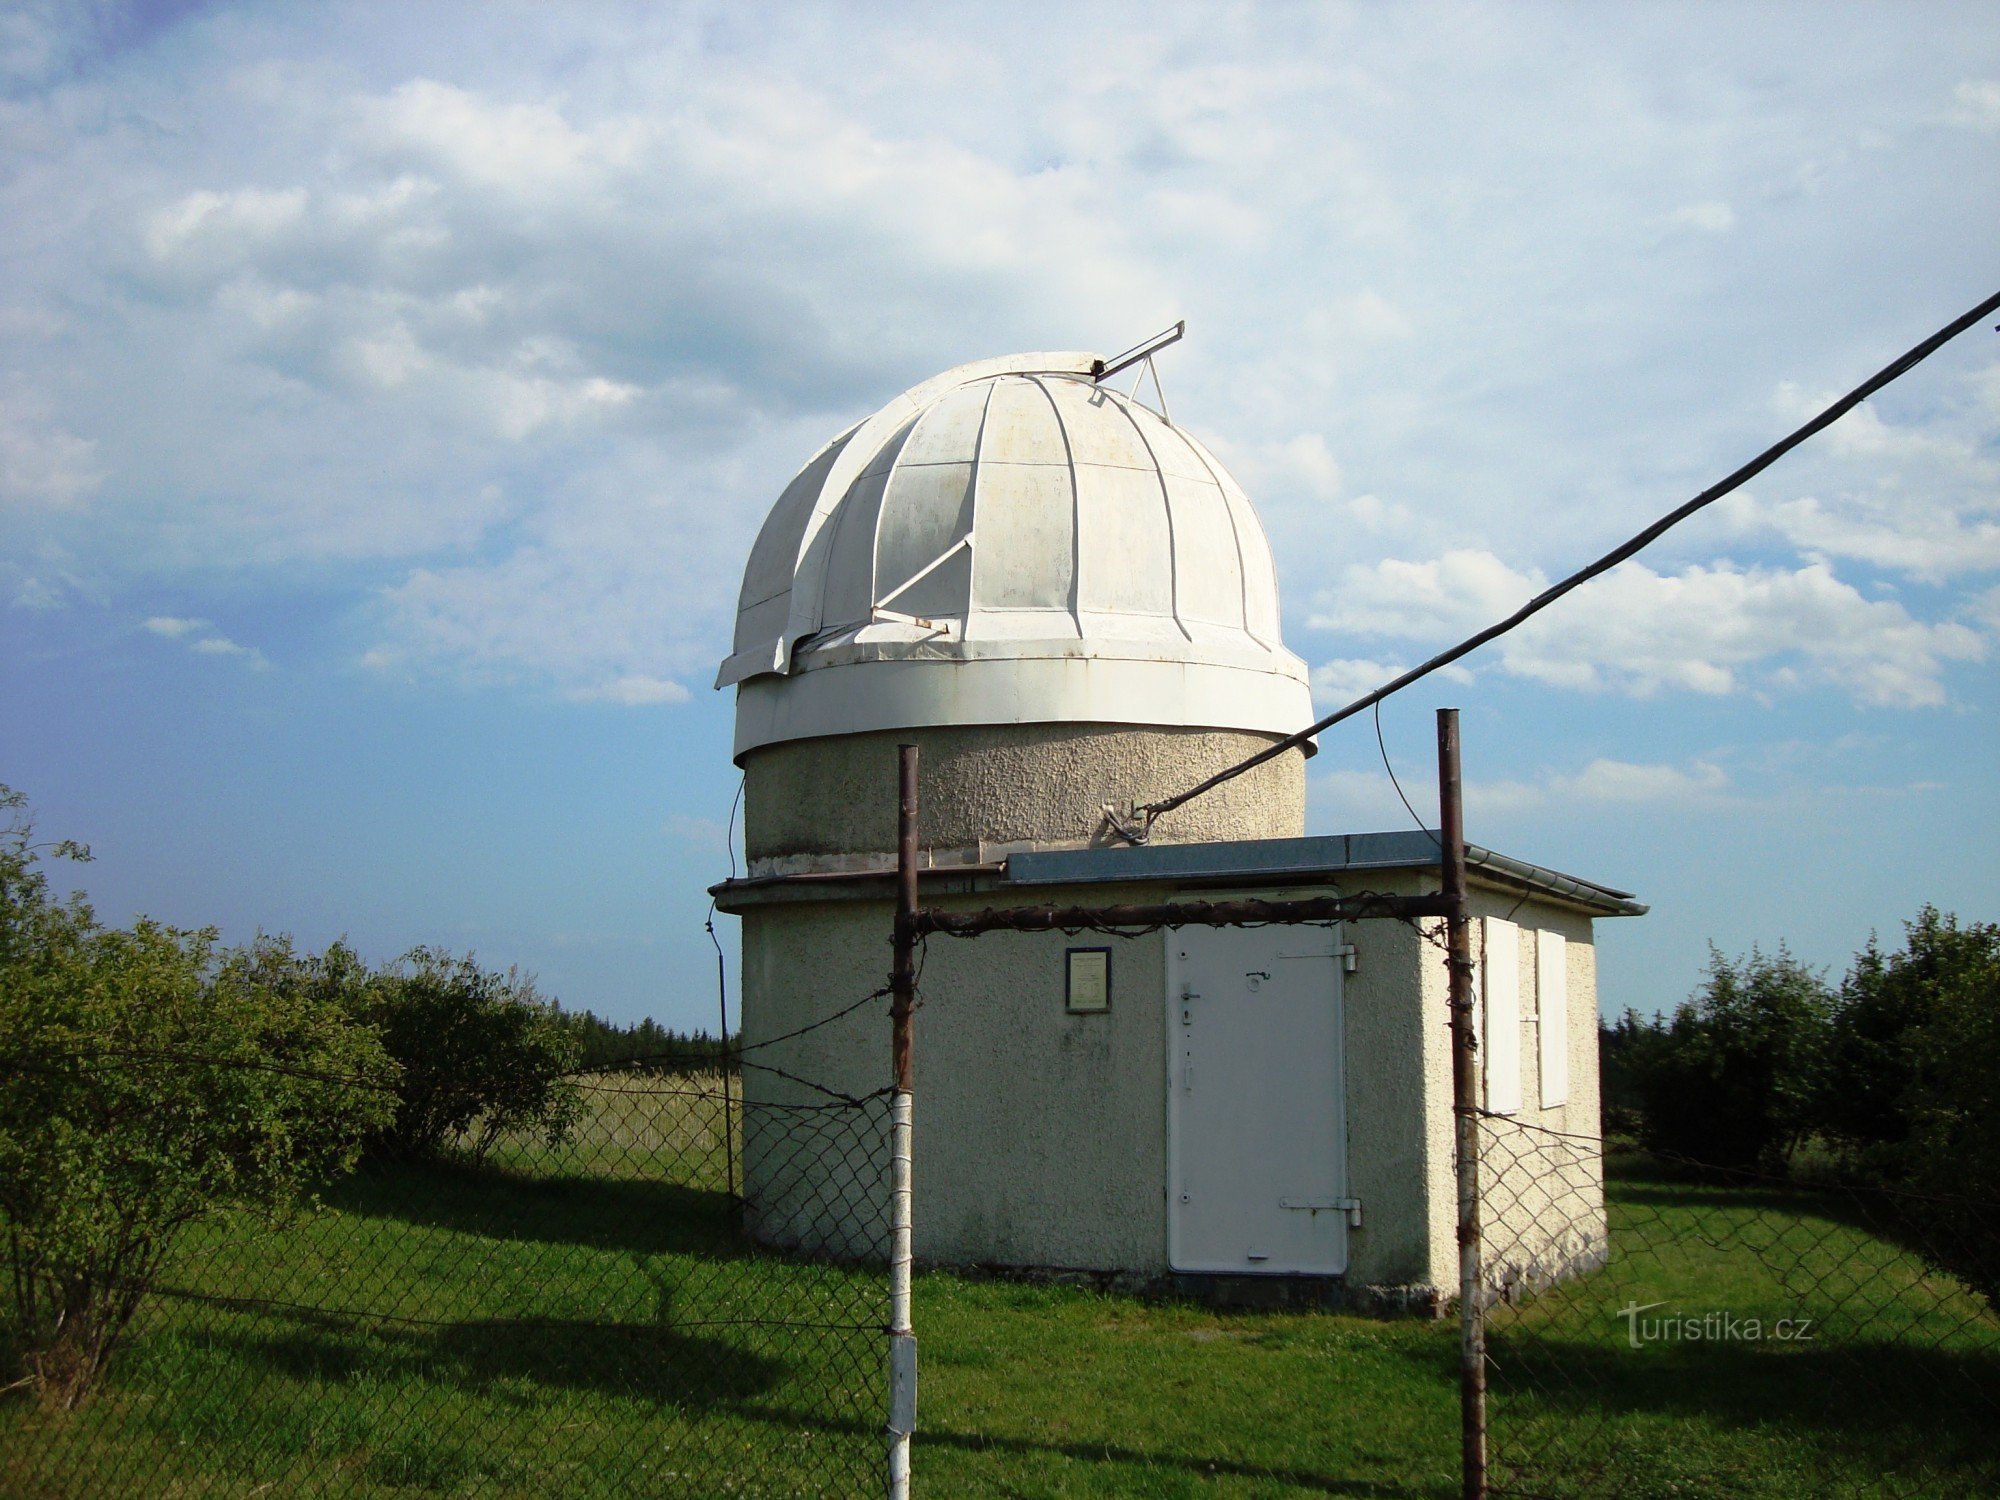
pixel 481 1053
pixel 1912 1087
pixel 148 1080
pixel 1733 1079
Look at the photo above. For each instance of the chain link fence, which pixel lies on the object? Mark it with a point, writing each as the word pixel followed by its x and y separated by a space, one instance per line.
pixel 686 1294
pixel 582 1316
pixel 1664 1328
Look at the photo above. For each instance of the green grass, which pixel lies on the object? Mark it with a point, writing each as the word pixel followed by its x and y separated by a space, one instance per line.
pixel 573 1324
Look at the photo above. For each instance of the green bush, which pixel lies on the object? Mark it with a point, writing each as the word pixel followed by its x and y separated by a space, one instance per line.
pixel 482 1055
pixel 1733 1079
pixel 1912 1086
pixel 149 1079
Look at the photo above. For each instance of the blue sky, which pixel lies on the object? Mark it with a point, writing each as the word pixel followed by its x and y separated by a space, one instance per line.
pixel 389 395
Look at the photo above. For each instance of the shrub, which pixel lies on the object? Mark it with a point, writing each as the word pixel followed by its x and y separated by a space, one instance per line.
pixel 1733 1079
pixel 148 1080
pixel 482 1055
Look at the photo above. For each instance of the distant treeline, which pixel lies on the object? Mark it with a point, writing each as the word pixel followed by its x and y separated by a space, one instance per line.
pixel 646 1047
pixel 1890 1078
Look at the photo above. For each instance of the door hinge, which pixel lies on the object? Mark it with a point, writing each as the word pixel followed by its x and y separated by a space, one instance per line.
pixel 1349 958
pixel 1350 1206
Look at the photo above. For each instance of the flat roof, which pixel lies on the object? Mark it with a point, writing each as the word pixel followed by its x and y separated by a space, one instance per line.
pixel 1237 862
pixel 1284 860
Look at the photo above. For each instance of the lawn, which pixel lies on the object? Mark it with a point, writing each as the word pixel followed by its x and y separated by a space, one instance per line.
pixel 585 1323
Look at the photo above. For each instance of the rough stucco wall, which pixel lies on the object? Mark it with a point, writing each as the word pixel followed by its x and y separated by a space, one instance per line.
pixel 1040 1136
pixel 1544 1198
pixel 1392 1061
pixel 1014 783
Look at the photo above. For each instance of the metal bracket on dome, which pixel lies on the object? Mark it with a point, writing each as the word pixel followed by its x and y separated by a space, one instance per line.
pixel 1104 369
pixel 964 543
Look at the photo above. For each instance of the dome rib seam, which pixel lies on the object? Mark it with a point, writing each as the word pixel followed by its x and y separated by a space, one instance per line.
pixel 1075 507
pixel 1119 400
pixel 1235 533
pixel 978 485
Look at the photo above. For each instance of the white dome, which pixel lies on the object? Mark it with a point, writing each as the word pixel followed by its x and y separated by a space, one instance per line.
pixel 1011 543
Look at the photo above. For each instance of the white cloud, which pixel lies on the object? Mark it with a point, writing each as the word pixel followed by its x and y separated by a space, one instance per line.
pixel 525 148
pixel 1347 678
pixel 1919 498
pixel 1603 782
pixel 1711 630
pixel 1451 595
pixel 36 591
pixel 1711 217
pixel 1861 432
pixel 611 599
pixel 40 462
pixel 1339 682
pixel 210 232
pixel 633 690
pixel 203 639
pixel 216 645
pixel 1976 102
pixel 1624 781
pixel 364 299
pixel 1354 799
pixel 1307 459
pixel 1913 535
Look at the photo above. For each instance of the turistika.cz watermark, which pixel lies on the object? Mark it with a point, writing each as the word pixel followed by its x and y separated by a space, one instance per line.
pixel 1709 1327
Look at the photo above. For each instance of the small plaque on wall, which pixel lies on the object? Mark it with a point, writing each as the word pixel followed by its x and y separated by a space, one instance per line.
pixel 1087 984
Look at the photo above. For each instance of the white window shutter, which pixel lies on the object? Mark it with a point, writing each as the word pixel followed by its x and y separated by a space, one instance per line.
pixel 1552 1007
pixel 1502 1032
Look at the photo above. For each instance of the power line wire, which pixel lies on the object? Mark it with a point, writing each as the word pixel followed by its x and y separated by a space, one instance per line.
pixel 1146 814
pixel 1429 832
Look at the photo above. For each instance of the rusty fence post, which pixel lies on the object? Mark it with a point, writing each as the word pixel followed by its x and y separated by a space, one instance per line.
pixel 902 1004
pixel 1465 1115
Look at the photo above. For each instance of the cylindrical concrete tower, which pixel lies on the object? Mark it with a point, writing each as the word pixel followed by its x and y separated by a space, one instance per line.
pixel 1057 593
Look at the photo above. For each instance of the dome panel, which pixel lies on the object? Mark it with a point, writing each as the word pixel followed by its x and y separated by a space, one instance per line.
pixel 941 593
pixel 1025 532
pixel 1177 457
pixel 1125 549
pixel 850 571
pixel 1021 426
pixel 948 433
pixel 1100 431
pixel 1011 542
pixel 1207 575
pixel 927 510
pixel 774 555
pixel 885 459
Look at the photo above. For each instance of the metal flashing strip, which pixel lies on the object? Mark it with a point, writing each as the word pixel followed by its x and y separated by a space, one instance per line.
pixel 1302 858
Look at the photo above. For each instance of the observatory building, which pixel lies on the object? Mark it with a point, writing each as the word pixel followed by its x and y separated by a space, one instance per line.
pixel 1066 602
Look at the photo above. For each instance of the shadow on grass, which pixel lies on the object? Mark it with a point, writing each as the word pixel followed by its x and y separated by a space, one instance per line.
pixel 623 1215
pixel 1865 1400
pixel 1640 1183
pixel 627 1360
pixel 1112 1453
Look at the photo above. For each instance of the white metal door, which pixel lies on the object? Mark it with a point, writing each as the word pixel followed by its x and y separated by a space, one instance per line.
pixel 1256 1110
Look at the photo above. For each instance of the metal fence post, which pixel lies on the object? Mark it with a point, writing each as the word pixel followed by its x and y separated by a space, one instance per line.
pixel 1465 1115
pixel 902 990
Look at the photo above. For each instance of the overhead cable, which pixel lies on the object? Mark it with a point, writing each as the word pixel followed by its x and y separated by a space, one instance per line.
pixel 1144 816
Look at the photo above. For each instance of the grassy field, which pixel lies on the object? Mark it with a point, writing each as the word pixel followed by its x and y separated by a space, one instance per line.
pixel 573 1324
